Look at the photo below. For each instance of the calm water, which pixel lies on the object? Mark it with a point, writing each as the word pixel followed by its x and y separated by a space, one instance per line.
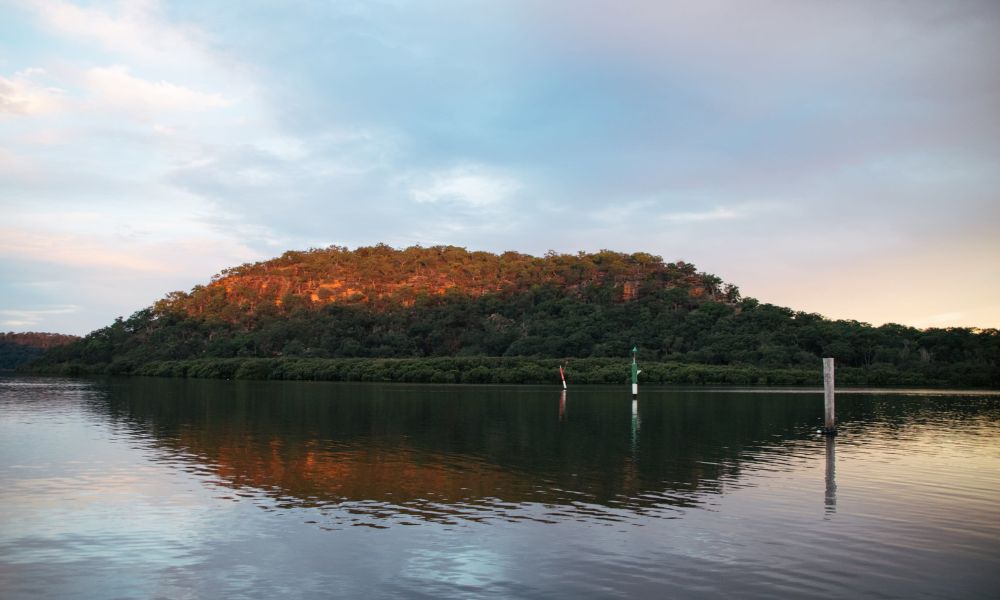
pixel 198 489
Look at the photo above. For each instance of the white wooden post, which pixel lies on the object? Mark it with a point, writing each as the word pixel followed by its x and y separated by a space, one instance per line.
pixel 830 426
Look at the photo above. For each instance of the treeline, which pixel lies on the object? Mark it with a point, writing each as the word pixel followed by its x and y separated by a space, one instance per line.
pixel 494 370
pixel 20 348
pixel 667 325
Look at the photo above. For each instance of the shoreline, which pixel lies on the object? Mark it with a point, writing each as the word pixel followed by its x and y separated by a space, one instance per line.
pixel 504 370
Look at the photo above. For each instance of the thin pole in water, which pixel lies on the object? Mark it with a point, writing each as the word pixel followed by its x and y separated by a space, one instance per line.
pixel 830 425
pixel 563 376
pixel 635 373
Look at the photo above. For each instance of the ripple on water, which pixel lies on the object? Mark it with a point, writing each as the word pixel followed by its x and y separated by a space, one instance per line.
pixel 237 493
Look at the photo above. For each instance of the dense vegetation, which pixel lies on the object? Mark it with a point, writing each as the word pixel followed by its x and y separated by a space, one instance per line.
pixel 511 370
pixel 301 315
pixel 17 349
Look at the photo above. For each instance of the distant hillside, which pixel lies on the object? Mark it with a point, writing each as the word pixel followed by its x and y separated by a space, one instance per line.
pixel 20 348
pixel 381 277
pixel 444 301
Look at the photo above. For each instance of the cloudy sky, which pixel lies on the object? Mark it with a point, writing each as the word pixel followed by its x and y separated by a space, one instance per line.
pixel 834 157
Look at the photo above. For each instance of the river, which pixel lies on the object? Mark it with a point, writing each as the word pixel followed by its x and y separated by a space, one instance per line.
pixel 149 488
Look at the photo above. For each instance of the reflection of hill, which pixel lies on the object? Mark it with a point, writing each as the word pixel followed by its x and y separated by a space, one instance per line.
pixel 316 475
pixel 432 451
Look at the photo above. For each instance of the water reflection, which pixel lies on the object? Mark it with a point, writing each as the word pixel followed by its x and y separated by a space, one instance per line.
pixel 376 455
pixel 830 500
pixel 380 455
pixel 635 424
pixel 152 488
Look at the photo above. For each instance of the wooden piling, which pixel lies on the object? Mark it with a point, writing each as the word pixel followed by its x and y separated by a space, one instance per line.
pixel 830 425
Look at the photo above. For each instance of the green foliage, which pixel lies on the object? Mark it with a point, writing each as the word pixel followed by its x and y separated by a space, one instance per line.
pixel 17 349
pixel 500 370
pixel 689 327
pixel 14 355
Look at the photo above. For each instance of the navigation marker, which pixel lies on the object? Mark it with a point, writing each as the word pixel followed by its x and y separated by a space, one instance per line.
pixel 635 373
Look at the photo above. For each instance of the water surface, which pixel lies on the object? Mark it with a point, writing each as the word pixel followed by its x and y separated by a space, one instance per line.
pixel 183 488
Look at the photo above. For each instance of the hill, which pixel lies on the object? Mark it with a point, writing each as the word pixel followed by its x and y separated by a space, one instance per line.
pixel 17 349
pixel 270 318
pixel 381 277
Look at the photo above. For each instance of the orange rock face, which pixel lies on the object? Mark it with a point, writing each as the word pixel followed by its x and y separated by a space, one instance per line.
pixel 382 274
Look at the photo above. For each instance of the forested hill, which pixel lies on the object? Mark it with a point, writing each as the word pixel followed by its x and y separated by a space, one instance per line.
pixel 20 348
pixel 380 277
pixel 418 303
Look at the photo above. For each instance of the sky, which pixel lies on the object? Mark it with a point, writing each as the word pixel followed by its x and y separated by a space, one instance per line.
pixel 833 157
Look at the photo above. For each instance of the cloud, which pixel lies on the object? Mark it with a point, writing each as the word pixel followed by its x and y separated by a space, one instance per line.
pixel 777 38
pixel 22 318
pixel 716 214
pixel 115 89
pixel 471 186
pixel 74 250
pixel 639 126
pixel 136 30
pixel 20 95
pixel 151 65
pixel 104 276
pixel 15 167
pixel 808 90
